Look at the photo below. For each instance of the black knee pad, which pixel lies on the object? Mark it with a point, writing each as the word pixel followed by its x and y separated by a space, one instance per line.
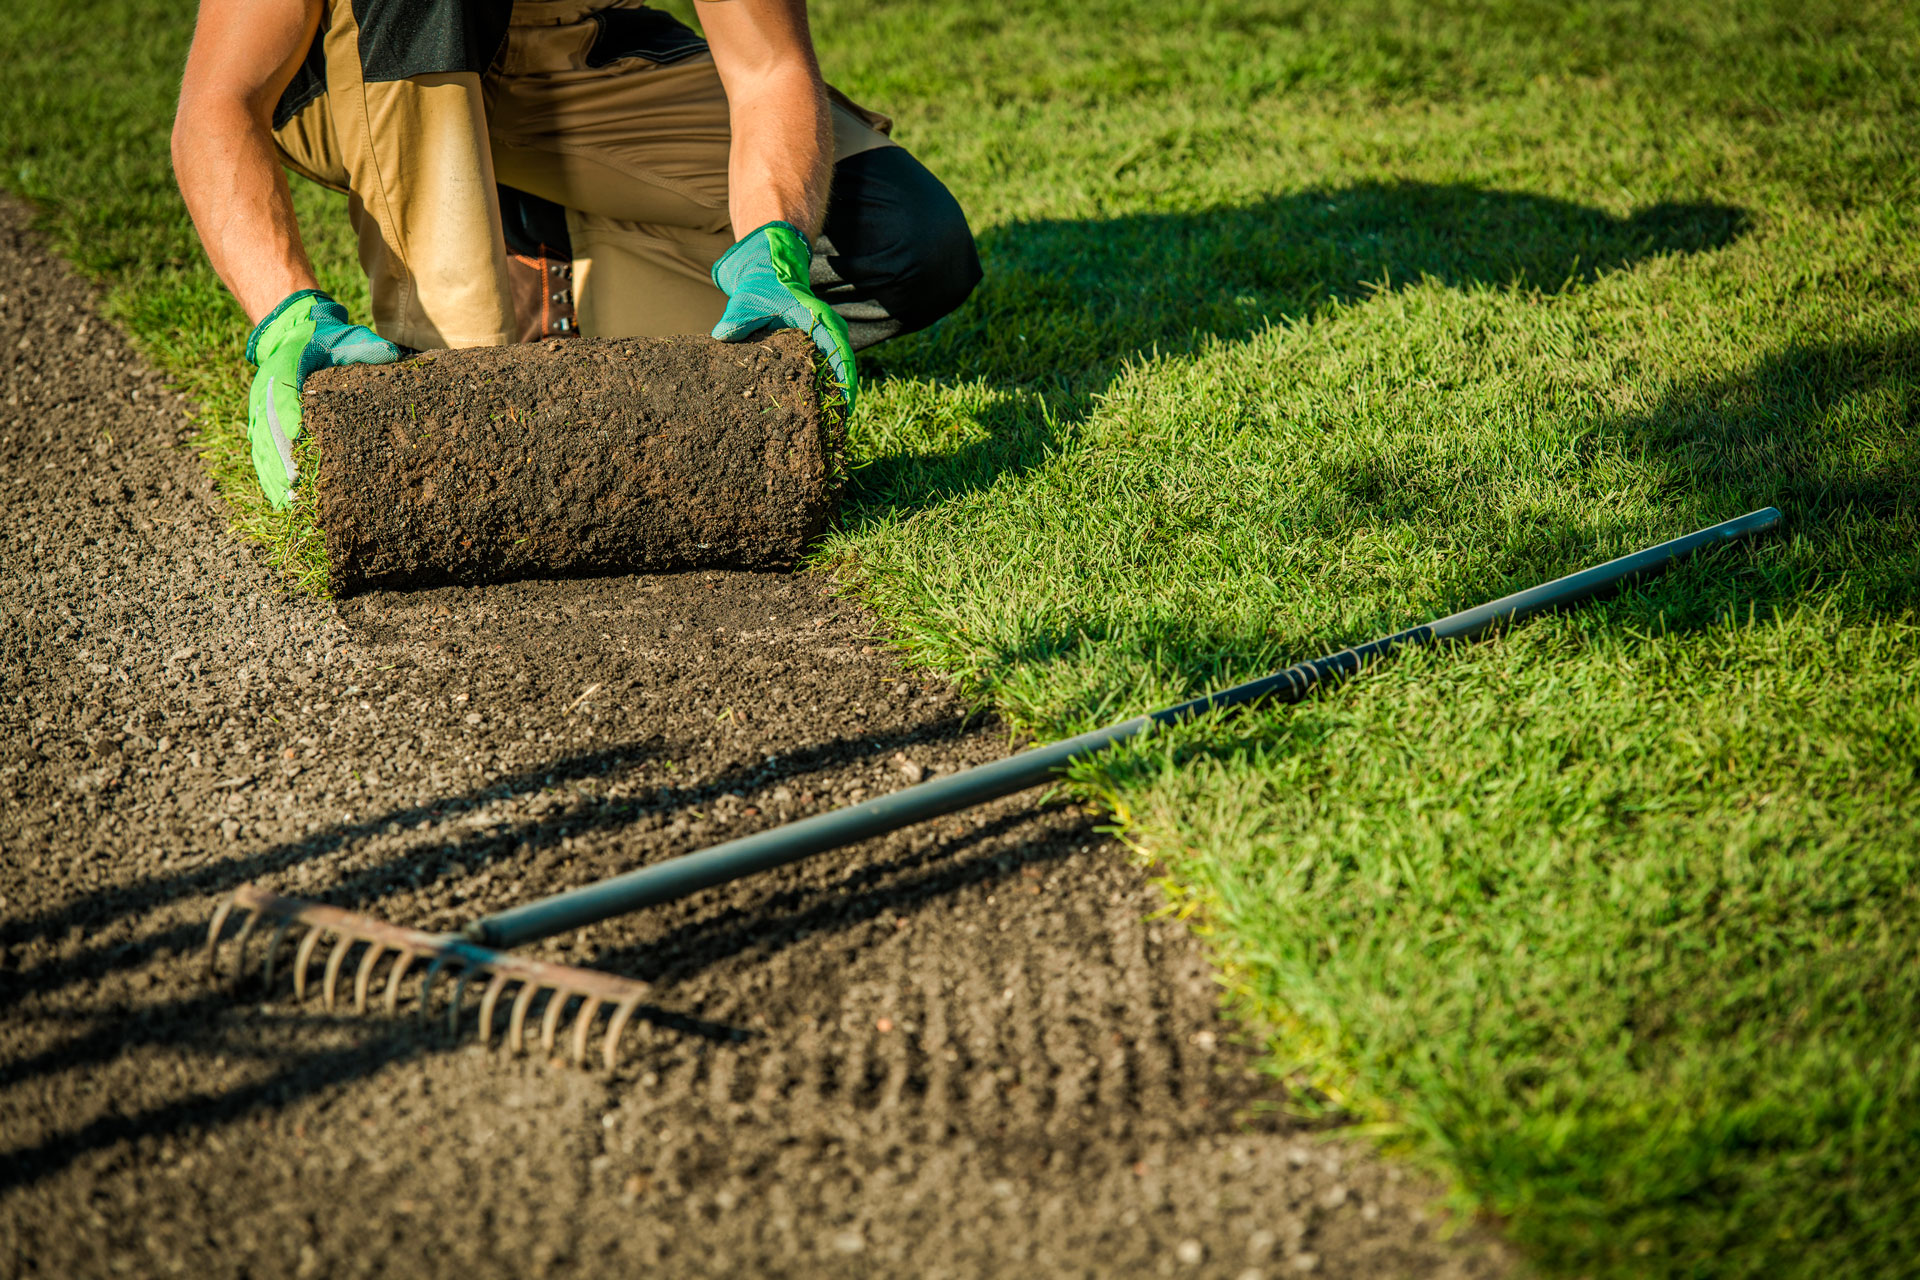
pixel 896 253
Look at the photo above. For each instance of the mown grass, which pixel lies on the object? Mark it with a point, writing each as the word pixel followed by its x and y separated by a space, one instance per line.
pixel 1305 321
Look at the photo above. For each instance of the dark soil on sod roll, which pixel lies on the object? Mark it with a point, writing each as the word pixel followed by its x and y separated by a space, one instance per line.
pixel 559 459
pixel 969 1049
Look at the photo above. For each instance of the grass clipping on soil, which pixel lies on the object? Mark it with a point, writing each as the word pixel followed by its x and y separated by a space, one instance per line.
pixel 563 459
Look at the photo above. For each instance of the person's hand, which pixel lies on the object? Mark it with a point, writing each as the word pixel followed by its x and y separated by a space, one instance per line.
pixel 765 278
pixel 306 332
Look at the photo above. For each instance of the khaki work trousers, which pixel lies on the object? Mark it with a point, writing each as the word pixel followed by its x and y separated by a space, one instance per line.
pixel 635 151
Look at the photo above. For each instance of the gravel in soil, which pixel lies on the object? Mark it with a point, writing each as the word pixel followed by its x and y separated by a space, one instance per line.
pixel 971 1048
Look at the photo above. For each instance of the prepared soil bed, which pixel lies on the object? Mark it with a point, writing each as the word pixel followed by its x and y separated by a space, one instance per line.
pixel 560 459
pixel 969 1049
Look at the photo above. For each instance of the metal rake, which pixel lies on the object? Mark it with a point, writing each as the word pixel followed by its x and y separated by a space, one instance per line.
pixel 532 982
pixel 479 950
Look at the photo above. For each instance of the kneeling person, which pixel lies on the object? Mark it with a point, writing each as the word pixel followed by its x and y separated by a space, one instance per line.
pixel 692 185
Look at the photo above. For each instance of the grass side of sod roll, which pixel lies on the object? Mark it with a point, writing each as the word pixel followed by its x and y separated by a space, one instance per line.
pixel 1305 321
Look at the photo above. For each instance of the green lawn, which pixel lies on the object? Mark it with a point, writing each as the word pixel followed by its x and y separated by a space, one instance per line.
pixel 1306 321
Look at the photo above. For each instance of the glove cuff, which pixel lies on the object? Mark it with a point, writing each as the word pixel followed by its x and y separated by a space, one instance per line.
pixel 726 269
pixel 260 330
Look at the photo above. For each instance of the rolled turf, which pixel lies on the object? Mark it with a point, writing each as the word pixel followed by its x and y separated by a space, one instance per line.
pixel 572 458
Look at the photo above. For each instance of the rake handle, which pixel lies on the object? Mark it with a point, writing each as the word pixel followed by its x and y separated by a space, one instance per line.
pixel 689 873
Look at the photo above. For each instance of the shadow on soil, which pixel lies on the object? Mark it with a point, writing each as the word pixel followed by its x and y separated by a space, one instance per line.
pixel 753 918
pixel 434 859
pixel 1066 304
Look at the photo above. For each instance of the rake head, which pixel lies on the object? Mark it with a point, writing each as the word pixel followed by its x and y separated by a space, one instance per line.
pixel 381 956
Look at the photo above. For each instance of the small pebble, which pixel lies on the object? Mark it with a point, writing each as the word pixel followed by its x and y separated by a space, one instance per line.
pixel 1190 1252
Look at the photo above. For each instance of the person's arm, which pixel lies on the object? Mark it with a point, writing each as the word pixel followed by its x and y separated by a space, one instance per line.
pixel 782 151
pixel 777 175
pixel 244 54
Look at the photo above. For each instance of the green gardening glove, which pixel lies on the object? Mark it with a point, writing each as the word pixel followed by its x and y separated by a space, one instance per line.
pixel 306 332
pixel 765 276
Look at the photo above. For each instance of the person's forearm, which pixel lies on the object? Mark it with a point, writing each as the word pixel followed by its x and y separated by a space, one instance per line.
pixel 782 153
pixel 236 192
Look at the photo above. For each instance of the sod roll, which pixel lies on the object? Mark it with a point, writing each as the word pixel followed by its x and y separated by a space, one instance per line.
pixel 559 459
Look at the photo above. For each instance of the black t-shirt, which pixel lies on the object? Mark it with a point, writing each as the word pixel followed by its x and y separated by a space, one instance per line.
pixel 403 38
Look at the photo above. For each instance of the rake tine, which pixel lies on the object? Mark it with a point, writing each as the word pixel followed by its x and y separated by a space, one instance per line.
pixel 487 1002
pixel 363 977
pixel 220 915
pixel 367 943
pixel 330 988
pixel 517 1024
pixel 610 1047
pixel 401 964
pixel 426 989
pixel 550 1025
pixel 582 1025
pixel 280 933
pixel 240 942
pixel 303 960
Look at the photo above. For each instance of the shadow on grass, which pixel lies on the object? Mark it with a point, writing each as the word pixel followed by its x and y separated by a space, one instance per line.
pixel 1826 432
pixel 1830 434
pixel 1066 304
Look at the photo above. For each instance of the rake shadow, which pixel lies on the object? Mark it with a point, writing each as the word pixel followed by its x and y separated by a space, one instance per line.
pixel 934 870
pixel 365 887
pixel 195 1023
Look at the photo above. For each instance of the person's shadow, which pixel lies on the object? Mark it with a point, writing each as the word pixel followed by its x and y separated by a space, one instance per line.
pixel 1066 304
pixel 1829 431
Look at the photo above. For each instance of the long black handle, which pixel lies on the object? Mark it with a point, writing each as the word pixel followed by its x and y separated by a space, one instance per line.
pixel 689 873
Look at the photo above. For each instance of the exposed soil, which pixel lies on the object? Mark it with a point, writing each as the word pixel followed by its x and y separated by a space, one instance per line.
pixel 563 458
pixel 967 1049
